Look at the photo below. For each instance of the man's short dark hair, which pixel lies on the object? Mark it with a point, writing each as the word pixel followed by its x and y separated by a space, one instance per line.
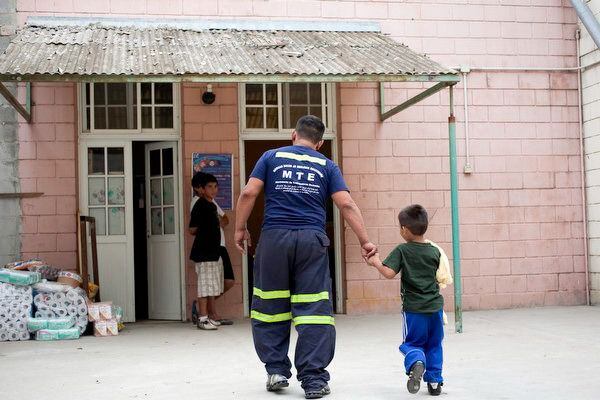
pixel 311 128
pixel 201 179
pixel 414 218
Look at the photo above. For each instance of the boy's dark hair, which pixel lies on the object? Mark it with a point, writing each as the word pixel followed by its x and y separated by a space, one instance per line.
pixel 197 179
pixel 311 128
pixel 201 179
pixel 414 218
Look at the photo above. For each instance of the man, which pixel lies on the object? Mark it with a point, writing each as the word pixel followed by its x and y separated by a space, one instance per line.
pixel 291 267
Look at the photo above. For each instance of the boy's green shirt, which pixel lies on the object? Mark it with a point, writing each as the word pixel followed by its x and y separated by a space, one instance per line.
pixel 418 263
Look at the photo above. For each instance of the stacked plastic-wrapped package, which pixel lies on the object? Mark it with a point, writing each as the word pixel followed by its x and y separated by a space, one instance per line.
pixel 60 304
pixel 53 328
pixel 15 309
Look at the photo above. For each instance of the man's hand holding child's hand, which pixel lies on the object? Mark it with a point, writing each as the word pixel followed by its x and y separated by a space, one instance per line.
pixel 373 261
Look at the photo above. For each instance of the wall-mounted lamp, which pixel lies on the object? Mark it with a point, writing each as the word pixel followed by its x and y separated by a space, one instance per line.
pixel 208 97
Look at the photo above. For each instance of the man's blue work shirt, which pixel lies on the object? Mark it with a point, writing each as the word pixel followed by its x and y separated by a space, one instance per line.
pixel 298 181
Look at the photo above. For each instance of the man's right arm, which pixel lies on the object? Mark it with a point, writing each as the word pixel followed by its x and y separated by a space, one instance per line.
pixel 353 217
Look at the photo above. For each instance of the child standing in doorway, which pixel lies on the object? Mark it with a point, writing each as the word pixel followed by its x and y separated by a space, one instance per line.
pixel 418 261
pixel 229 277
pixel 206 252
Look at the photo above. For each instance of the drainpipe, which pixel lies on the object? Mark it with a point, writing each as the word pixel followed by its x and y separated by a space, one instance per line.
pixel 582 167
pixel 455 224
pixel 467 168
pixel 588 20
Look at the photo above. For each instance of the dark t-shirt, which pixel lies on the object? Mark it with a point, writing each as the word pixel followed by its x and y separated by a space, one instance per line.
pixel 418 263
pixel 207 242
pixel 298 181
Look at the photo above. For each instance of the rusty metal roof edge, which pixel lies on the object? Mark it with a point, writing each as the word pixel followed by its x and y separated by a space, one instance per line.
pixel 231 78
pixel 206 24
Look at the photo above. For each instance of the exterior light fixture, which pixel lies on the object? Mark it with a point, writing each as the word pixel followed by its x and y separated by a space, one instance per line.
pixel 208 97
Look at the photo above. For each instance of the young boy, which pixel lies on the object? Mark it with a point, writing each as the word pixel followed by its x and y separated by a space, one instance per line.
pixel 229 278
pixel 206 252
pixel 423 330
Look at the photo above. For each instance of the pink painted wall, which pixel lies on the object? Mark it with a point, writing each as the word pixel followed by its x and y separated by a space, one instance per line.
pixel 212 129
pixel 47 164
pixel 520 210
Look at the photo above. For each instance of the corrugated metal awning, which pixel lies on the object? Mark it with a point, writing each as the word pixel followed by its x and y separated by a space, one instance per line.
pixel 100 51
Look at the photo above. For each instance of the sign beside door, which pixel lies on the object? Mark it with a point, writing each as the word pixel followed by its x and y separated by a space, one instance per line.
pixel 221 166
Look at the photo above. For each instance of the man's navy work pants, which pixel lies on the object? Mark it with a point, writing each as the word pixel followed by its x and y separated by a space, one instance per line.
pixel 292 283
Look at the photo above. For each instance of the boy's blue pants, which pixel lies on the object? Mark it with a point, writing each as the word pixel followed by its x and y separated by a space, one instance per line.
pixel 423 335
pixel 292 283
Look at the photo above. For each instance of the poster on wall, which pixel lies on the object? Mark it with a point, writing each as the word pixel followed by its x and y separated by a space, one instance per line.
pixel 221 166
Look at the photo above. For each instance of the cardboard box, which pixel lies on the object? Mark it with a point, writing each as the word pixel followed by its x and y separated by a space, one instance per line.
pixel 106 328
pixel 100 311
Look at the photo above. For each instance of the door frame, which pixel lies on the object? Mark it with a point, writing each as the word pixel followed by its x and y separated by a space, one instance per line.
pixel 111 136
pixel 83 205
pixel 177 204
pixel 337 221
pixel 127 141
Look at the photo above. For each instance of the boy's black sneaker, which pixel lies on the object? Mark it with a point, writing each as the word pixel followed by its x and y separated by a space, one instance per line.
pixel 414 377
pixel 434 389
pixel 317 394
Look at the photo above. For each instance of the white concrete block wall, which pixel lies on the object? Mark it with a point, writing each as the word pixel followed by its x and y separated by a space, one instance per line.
pixel 591 117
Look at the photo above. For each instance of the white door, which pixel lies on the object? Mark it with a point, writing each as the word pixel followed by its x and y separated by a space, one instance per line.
pixel 162 216
pixel 106 195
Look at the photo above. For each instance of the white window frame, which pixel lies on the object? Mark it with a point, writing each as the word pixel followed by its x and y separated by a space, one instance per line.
pixel 327 110
pixel 106 176
pixel 93 132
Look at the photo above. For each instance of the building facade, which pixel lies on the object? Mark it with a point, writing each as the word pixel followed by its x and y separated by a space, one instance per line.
pixel 520 195
pixel 590 56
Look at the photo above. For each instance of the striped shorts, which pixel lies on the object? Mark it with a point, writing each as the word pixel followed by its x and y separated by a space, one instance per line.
pixel 210 278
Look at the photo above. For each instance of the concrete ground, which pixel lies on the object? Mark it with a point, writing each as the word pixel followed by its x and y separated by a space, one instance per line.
pixel 544 353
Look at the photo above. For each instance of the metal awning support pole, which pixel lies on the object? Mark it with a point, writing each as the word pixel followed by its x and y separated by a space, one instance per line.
pixel 587 18
pixel 28 98
pixel 455 223
pixel 383 115
pixel 25 113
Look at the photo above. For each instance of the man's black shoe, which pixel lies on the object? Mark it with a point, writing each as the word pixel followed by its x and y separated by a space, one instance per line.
pixel 317 394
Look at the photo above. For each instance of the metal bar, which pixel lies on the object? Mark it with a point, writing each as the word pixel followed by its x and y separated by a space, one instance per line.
pixel 14 102
pixel 467 168
pixel 28 97
pixel 412 101
pixel 94 242
pixel 531 68
pixel 23 195
pixel 589 21
pixel 584 213
pixel 275 78
pixel 83 254
pixel 381 98
pixel 455 224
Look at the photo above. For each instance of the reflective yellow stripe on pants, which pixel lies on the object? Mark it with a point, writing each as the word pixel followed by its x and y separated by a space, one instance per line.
pixel 309 297
pixel 271 294
pixel 314 320
pixel 270 317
